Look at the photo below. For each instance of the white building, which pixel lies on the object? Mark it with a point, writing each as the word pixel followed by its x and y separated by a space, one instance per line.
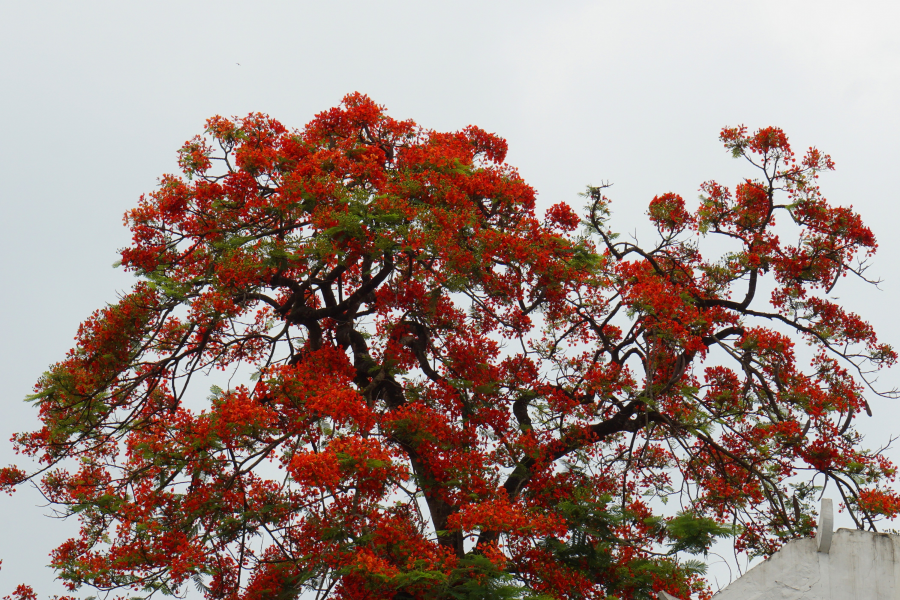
pixel 844 565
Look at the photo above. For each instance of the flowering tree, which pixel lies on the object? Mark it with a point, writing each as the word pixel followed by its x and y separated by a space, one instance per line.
pixel 435 393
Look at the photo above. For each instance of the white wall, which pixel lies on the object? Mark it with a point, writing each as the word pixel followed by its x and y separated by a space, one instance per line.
pixel 860 565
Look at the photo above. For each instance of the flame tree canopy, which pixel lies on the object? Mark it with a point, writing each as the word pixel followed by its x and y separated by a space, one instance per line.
pixel 434 392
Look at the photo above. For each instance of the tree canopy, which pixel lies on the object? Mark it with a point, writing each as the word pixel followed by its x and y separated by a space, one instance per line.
pixel 427 390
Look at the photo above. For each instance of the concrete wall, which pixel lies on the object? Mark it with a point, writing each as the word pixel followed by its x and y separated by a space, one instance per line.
pixel 858 565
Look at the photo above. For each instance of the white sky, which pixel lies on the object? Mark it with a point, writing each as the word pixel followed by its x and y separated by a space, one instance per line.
pixel 97 97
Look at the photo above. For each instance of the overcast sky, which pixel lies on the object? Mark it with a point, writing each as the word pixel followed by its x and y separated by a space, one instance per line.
pixel 97 97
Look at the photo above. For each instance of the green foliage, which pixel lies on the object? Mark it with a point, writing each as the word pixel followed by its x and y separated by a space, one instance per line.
pixel 694 534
